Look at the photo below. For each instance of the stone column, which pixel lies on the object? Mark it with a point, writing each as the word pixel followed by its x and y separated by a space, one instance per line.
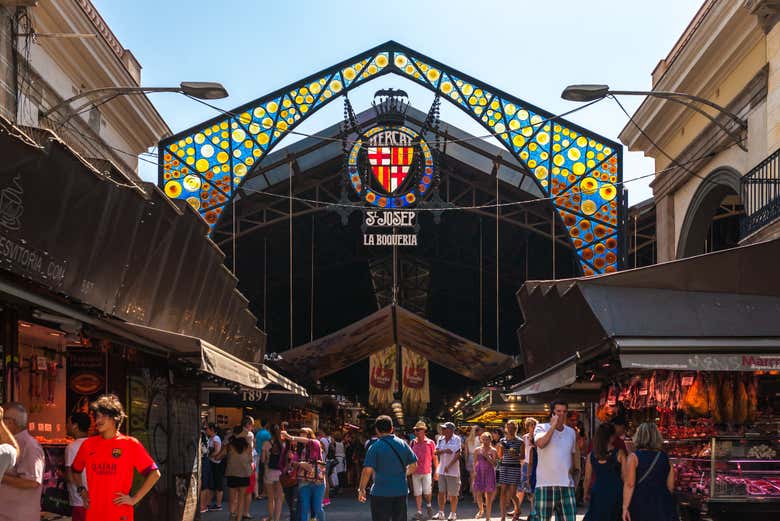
pixel 767 13
pixel 664 223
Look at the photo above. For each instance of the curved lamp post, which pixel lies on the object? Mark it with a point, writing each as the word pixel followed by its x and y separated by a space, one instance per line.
pixel 196 89
pixel 592 92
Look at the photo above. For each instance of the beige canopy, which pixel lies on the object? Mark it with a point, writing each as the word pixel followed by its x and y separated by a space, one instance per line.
pixel 389 326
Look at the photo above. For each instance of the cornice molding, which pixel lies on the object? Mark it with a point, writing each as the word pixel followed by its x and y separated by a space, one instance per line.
pixel 96 63
pixel 721 41
pixel 102 28
pixel 767 12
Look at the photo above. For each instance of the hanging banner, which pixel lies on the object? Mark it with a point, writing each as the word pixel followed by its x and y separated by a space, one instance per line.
pixel 86 376
pixel 381 381
pixel 416 391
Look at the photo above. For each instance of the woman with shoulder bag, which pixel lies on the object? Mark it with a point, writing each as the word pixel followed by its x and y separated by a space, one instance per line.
pixel 311 476
pixel 649 479
pixel 289 477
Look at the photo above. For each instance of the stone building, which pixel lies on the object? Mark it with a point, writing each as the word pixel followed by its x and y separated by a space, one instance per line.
pixel 53 50
pixel 718 179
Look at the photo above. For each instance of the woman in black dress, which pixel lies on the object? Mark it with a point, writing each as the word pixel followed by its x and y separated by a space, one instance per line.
pixel 649 479
pixel 604 465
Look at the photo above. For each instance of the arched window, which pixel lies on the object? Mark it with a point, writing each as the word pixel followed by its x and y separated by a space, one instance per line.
pixel 712 220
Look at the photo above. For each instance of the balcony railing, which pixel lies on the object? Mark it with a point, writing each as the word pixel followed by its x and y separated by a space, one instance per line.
pixel 761 195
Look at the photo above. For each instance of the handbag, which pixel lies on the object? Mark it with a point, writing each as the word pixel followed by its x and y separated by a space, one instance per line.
pixel 318 467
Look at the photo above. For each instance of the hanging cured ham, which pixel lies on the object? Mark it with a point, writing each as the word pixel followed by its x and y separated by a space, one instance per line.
pixel 696 400
pixel 740 402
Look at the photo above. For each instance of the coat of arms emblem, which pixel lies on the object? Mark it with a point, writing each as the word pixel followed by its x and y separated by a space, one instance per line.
pixel 390 165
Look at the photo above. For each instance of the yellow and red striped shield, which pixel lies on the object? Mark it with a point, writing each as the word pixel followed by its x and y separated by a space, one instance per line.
pixel 390 165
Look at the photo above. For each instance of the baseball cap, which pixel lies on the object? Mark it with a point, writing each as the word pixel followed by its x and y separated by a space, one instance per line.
pixel 448 425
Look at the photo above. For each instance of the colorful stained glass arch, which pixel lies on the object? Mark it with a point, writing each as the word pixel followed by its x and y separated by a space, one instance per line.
pixel 580 171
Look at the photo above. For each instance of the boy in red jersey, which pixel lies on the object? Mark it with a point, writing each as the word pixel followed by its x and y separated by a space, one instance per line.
pixel 109 460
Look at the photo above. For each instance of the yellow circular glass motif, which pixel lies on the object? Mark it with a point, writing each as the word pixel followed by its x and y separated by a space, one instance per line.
pixel 201 165
pixel 589 185
pixel 607 192
pixel 173 189
pixel 588 207
pixel 194 202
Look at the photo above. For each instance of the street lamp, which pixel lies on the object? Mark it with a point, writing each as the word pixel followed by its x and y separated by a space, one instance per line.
pixel 196 89
pixel 593 92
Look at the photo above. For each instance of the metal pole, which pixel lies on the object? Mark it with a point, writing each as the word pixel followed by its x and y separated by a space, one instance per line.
pixel 481 286
pixel 395 269
pixel 311 288
pixel 265 284
pixel 552 225
pixel 636 244
pixel 290 209
pixel 498 307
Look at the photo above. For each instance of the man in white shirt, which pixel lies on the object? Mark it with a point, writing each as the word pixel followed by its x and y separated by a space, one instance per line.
pixel 20 490
pixel 448 449
pixel 213 472
pixel 556 445
pixel 79 429
pixel 9 448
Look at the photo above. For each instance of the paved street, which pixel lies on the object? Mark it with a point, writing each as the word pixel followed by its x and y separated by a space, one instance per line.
pixel 346 508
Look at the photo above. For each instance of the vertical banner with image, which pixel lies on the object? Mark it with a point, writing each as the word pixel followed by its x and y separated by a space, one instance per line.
pixel 86 370
pixel 416 390
pixel 381 380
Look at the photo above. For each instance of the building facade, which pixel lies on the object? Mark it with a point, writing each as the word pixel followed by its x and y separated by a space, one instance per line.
pixel 53 50
pixel 717 182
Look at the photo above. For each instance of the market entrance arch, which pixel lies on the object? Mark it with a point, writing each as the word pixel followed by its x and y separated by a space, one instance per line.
pixel 578 170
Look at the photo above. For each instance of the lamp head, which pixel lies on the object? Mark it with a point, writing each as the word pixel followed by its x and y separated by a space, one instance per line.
pixel 204 89
pixel 585 92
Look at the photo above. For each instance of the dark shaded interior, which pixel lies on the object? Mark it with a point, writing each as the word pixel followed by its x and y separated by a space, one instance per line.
pixel 449 278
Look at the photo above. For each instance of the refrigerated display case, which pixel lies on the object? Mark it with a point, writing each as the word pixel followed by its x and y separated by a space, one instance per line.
pixel 727 477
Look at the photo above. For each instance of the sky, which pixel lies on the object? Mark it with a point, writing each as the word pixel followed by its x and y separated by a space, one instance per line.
pixel 530 49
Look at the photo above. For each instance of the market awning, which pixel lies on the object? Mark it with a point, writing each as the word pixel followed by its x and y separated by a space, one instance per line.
pixel 282 381
pixel 556 377
pixel 117 246
pixel 206 356
pixel 717 311
pixel 383 329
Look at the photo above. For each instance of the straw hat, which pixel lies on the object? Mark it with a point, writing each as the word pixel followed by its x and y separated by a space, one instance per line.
pixel 420 425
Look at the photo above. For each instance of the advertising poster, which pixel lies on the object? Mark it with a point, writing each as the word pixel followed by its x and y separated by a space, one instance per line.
pixel 86 375
pixel 381 381
pixel 416 391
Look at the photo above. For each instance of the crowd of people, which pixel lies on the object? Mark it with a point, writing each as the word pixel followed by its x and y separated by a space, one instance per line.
pixel 301 469
pixel 551 465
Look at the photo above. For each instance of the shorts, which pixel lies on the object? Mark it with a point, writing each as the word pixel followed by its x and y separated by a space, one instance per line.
pixel 271 476
pixel 237 482
pixel 213 475
pixel 551 499
pixel 205 474
pixel 449 485
pixel 421 484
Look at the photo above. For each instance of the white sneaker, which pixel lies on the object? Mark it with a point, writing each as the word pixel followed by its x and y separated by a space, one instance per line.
pixel 453 516
pixel 439 515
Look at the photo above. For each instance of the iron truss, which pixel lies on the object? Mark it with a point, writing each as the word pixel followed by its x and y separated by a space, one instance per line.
pixel 580 171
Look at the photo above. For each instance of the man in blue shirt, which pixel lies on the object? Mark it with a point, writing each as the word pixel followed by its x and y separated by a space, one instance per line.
pixel 261 436
pixel 389 460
